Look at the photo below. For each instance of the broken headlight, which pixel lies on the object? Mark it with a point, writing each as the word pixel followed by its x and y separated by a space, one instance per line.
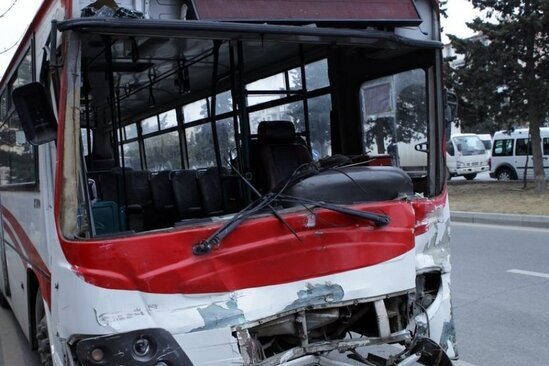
pixel 151 347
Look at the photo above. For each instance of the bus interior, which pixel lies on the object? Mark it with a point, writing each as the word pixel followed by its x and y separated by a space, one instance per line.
pixel 187 123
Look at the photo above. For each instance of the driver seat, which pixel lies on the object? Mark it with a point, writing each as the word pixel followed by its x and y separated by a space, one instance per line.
pixel 276 153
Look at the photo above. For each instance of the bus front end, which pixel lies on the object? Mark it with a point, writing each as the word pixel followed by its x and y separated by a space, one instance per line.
pixel 249 184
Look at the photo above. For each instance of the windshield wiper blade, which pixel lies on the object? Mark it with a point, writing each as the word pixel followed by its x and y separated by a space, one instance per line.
pixel 377 219
pixel 206 246
pixel 259 195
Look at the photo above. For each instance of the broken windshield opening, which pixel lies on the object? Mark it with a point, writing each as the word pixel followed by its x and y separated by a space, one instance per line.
pixel 300 173
pixel 170 122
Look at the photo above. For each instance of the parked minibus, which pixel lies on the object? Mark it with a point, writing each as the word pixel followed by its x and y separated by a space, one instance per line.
pixel 512 154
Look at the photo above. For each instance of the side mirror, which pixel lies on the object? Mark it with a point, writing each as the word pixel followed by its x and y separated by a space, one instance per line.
pixel 35 112
pixel 422 147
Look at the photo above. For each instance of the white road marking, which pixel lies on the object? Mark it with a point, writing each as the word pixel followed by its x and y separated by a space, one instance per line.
pixel 462 363
pixel 499 226
pixel 529 273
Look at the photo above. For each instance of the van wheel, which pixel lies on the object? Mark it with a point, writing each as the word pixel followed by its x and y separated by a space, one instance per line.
pixel 42 337
pixel 470 176
pixel 448 175
pixel 505 174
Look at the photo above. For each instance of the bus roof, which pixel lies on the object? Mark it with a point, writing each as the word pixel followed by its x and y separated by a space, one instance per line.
pixel 226 30
pixel 171 40
pixel 334 12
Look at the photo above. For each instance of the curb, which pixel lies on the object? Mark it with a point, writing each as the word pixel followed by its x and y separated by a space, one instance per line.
pixel 500 219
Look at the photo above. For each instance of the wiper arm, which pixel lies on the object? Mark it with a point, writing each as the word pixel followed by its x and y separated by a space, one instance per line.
pixel 377 219
pixel 259 195
pixel 206 246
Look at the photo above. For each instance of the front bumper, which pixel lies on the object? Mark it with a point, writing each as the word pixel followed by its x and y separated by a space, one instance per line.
pixel 472 170
pixel 424 352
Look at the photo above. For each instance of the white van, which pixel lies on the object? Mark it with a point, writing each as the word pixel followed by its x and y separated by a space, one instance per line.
pixel 512 153
pixel 466 156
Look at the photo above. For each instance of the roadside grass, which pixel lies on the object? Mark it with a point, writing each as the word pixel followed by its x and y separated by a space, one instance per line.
pixel 498 197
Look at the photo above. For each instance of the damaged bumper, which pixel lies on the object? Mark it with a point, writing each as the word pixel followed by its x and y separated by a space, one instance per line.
pixel 337 335
pixel 418 351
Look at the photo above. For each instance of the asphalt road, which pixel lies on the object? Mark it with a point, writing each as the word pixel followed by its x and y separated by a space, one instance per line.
pixel 500 291
pixel 14 348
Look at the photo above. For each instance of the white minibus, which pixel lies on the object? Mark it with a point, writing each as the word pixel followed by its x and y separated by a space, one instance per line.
pixel 512 154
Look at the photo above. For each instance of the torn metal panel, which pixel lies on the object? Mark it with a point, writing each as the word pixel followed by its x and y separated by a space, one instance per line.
pixel 433 255
pixel 316 295
pixel 439 327
pixel 216 316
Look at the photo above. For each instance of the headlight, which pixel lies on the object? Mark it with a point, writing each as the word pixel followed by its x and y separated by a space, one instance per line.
pixel 459 164
pixel 143 347
pixel 140 347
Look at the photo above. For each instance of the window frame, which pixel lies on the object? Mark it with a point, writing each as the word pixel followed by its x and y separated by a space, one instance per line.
pixel 527 145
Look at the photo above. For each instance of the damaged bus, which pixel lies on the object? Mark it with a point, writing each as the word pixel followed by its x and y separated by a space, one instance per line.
pixel 227 182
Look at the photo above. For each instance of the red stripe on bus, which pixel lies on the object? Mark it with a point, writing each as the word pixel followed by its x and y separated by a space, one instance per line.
pixel 16 244
pixel 260 252
pixel 43 273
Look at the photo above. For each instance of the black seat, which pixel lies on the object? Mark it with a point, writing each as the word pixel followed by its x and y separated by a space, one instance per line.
pixel 163 198
pixel 276 153
pixel 186 194
pixel 139 200
pixel 111 186
pixel 211 190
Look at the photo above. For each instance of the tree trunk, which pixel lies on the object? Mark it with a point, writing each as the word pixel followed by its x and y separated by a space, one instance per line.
pixel 537 156
pixel 535 104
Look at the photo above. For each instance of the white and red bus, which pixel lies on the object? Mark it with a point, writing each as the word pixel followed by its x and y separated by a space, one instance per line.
pixel 223 182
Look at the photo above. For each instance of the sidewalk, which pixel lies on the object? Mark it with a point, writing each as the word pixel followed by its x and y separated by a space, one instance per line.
pixel 533 221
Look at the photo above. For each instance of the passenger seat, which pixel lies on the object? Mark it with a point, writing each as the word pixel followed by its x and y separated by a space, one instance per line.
pixel 211 190
pixel 276 153
pixel 163 198
pixel 186 193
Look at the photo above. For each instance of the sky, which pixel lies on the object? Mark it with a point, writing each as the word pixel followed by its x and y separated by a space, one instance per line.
pixel 14 23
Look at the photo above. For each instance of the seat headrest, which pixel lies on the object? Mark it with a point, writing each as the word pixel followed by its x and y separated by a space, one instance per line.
pixel 276 131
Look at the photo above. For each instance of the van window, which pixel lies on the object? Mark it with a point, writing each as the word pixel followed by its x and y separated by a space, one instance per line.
pixel 523 147
pixel 546 146
pixel 503 147
pixel 487 144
